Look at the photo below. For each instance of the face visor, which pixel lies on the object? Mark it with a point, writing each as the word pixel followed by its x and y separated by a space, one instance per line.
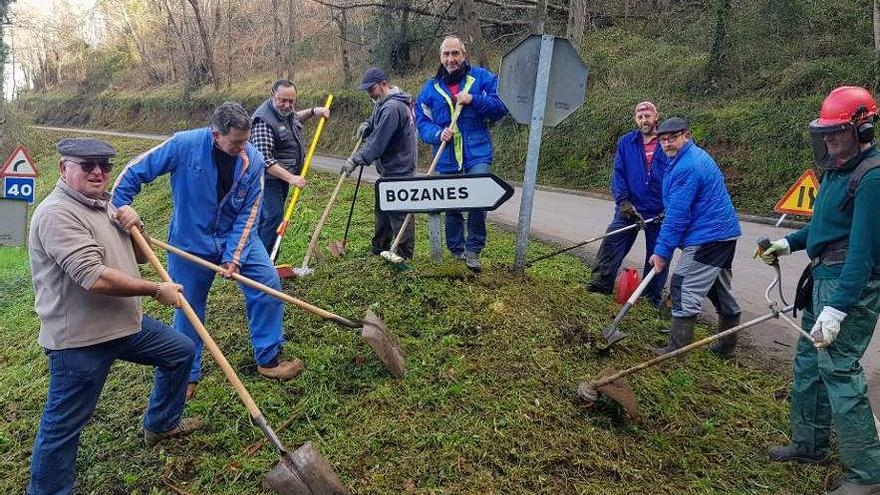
pixel 818 132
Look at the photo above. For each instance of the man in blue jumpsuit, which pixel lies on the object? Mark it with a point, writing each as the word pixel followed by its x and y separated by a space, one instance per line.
pixel 216 185
pixel 701 221
pixel 470 144
pixel 637 186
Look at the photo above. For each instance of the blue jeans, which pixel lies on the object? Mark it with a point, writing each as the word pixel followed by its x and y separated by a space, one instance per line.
pixel 271 210
pixel 614 249
pixel 76 377
pixel 476 223
pixel 265 313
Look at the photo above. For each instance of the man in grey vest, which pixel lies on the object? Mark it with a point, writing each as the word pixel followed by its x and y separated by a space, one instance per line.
pixel 277 134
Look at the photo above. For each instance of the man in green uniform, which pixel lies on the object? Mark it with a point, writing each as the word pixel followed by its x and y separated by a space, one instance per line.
pixel 841 308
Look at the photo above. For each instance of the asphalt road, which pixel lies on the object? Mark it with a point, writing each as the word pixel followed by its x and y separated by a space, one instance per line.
pixel 570 217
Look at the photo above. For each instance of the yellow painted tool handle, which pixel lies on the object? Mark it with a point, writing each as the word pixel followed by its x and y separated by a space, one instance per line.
pixel 305 169
pixel 313 242
pixel 200 328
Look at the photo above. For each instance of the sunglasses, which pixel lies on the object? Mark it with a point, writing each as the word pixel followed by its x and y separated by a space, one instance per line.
pixel 89 165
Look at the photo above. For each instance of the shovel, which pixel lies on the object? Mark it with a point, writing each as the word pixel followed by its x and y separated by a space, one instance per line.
pixel 613 384
pixel 621 230
pixel 337 248
pixel 301 472
pixel 391 255
pixel 612 333
pixel 284 271
pixel 373 329
pixel 304 270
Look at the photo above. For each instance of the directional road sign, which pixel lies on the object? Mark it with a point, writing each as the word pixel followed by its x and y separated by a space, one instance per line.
pixel 799 198
pixel 519 74
pixel 441 193
pixel 19 188
pixel 19 164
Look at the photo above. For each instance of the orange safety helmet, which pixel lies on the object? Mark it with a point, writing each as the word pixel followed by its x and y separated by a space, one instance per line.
pixel 845 107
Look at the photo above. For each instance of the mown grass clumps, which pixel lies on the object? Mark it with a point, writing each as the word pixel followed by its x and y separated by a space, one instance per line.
pixel 487 406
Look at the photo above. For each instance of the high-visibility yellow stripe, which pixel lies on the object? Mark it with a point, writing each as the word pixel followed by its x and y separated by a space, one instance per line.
pixel 457 142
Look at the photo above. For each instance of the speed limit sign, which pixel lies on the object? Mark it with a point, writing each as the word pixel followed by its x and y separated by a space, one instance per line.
pixel 19 188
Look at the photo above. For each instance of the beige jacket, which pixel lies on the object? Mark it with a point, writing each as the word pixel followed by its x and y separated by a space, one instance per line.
pixel 72 239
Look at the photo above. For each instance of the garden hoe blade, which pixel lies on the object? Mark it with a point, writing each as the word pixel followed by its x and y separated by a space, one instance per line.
pixel 304 472
pixel 383 343
pixel 612 334
pixel 618 391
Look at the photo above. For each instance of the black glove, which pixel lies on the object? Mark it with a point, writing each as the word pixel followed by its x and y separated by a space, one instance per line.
pixel 628 211
pixel 364 130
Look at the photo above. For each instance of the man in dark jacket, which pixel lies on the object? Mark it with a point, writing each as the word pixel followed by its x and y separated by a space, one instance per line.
pixel 390 140
pixel 637 186
pixel 701 221
pixel 277 134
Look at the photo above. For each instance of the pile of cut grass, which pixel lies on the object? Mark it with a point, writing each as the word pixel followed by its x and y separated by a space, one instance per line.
pixel 487 406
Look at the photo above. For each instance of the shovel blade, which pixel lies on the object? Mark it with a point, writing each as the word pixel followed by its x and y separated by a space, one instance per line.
pixel 285 271
pixel 384 344
pixel 305 472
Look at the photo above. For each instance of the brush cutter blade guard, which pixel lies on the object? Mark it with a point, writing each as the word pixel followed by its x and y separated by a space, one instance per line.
pixel 305 472
pixel 384 344
pixel 618 391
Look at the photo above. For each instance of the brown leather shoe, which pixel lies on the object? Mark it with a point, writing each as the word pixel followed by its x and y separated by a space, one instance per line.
pixel 184 428
pixel 284 371
pixel 191 388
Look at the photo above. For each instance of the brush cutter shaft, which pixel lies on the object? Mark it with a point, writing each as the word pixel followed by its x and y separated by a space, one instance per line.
pixel 261 287
pixel 399 237
pixel 593 239
pixel 200 329
pixel 282 228
pixel 708 340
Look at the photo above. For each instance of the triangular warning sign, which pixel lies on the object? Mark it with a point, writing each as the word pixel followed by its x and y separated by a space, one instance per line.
pixel 19 164
pixel 799 198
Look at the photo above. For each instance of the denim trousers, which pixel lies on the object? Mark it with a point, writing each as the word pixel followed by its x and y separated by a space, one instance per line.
pixel 474 240
pixel 76 377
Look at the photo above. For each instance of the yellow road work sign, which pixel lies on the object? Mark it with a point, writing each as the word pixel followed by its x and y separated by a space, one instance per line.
pixel 799 198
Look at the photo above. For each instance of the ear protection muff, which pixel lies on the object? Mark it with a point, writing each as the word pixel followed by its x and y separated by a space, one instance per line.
pixel 864 130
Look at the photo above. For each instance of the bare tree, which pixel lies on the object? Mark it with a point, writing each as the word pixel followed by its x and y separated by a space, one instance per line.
pixel 577 21
pixel 206 44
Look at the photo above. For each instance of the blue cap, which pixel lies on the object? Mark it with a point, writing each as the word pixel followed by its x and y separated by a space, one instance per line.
pixel 671 125
pixel 372 76
pixel 85 148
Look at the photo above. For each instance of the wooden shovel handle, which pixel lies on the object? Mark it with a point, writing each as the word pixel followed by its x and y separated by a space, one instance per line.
pixel 200 328
pixel 408 218
pixel 256 285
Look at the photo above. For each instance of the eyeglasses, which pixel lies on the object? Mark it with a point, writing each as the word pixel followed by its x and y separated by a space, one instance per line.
pixel 89 165
pixel 671 138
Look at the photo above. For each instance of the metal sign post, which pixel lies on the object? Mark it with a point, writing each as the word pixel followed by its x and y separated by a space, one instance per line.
pixel 536 129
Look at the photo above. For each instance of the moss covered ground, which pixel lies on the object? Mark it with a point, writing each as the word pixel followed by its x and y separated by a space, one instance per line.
pixel 486 408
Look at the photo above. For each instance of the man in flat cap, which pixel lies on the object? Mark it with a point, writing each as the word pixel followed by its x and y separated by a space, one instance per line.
pixel 701 221
pixel 390 140
pixel 88 297
pixel 216 185
pixel 637 186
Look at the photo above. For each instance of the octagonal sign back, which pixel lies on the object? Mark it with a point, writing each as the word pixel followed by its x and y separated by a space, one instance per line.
pixel 519 70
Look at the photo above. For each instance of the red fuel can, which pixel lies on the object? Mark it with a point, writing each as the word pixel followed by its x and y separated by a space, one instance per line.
pixel 626 284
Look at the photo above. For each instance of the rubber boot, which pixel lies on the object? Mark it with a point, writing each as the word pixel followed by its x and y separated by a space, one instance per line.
pixel 681 333
pixel 850 488
pixel 726 347
pixel 791 453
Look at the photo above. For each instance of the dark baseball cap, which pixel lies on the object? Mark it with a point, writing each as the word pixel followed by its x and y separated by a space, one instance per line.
pixel 85 148
pixel 672 125
pixel 372 76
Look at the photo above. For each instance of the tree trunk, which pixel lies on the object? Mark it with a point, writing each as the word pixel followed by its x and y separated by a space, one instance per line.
pixel 720 44
pixel 539 17
pixel 876 25
pixel 277 62
pixel 209 52
pixel 288 59
pixel 340 17
pixel 577 21
pixel 473 35
pixel 147 60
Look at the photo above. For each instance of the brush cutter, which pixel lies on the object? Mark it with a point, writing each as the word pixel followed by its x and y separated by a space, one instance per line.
pixel 373 329
pixel 391 255
pixel 612 333
pixel 637 225
pixel 301 472
pixel 304 270
pixel 613 384
pixel 337 248
pixel 285 271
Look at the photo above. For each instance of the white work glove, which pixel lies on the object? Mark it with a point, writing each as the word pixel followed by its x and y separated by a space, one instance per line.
pixel 827 326
pixel 349 166
pixel 777 248
pixel 363 130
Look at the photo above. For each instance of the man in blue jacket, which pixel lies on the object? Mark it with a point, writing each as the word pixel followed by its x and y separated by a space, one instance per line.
pixel 637 186
pixel 470 144
pixel 216 185
pixel 701 221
